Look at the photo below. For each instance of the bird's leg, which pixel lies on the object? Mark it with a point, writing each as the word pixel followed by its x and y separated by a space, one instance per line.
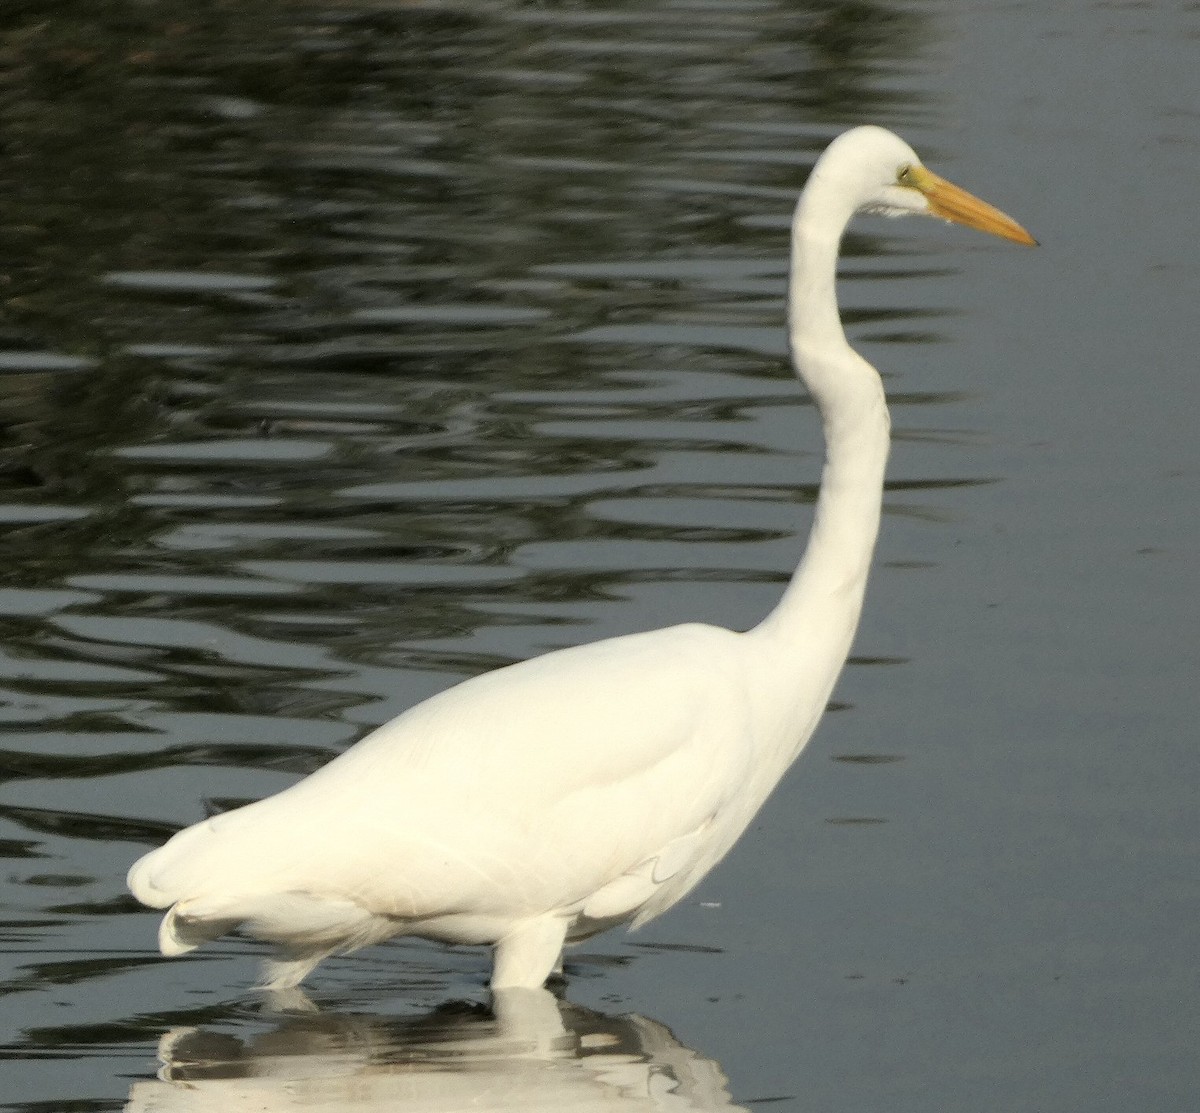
pixel 289 968
pixel 528 954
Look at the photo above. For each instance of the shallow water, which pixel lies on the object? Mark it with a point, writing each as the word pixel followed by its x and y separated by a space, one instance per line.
pixel 350 350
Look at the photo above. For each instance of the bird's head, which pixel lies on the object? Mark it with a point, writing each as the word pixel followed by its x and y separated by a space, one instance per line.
pixel 882 174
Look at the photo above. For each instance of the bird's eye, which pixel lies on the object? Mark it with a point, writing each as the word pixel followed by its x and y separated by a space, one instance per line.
pixel 905 176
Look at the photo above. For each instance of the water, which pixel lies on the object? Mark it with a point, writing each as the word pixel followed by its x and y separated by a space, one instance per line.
pixel 351 350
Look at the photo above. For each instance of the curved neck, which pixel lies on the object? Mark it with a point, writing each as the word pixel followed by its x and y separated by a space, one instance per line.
pixel 821 606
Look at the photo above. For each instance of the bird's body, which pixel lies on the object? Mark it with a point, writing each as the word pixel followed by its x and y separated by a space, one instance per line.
pixel 546 801
pixel 427 826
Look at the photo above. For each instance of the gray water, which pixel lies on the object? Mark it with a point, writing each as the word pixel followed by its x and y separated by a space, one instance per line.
pixel 349 350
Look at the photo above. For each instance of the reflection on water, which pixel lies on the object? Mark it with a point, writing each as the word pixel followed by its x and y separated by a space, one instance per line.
pixel 532 1052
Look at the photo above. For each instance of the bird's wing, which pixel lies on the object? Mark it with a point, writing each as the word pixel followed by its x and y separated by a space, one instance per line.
pixel 528 787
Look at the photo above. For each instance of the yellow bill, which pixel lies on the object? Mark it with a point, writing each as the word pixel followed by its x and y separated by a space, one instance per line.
pixel 951 203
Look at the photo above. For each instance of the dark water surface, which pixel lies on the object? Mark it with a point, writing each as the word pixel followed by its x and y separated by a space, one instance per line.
pixel 348 350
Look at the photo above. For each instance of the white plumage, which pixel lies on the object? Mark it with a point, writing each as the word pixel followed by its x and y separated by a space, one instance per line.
pixel 546 801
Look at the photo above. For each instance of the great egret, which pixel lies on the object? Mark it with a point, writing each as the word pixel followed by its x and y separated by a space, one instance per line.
pixel 544 802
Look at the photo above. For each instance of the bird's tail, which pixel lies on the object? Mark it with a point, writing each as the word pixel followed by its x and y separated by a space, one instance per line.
pixel 203 902
pixel 188 923
pixel 298 923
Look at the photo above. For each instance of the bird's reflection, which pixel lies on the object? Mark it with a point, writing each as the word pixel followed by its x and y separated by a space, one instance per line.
pixel 528 1052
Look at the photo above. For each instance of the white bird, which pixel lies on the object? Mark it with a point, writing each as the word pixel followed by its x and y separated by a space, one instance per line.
pixel 541 803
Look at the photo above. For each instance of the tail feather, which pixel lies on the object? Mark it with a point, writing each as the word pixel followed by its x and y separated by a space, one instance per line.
pixel 184 928
pixel 140 883
pixel 211 885
pixel 297 922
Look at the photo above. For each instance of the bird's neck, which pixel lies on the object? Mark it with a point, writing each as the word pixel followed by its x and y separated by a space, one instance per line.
pixel 819 612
